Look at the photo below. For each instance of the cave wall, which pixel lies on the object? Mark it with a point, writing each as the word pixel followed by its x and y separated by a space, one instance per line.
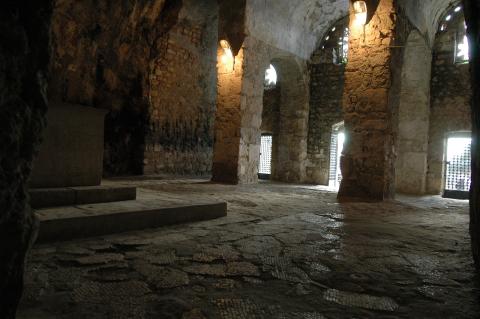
pixel 450 104
pixel 24 56
pixel 132 58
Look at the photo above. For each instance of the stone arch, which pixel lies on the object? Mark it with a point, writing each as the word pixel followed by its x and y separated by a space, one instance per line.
pixel 327 76
pixel 450 94
pixel 413 116
pixel 290 148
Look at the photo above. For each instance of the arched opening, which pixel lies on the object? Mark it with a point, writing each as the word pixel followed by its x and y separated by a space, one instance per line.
pixel 270 120
pixel 434 104
pixel 327 71
pixel 450 102
pixel 284 122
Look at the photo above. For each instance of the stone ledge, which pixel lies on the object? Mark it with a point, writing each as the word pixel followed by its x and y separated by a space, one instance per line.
pixel 68 196
pixel 80 222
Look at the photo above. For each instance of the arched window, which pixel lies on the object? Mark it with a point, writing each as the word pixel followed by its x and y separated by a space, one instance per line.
pixel 453 21
pixel 270 77
pixel 337 41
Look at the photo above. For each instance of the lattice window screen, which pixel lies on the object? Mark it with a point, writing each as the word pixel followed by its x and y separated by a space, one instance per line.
pixel 333 155
pixel 265 165
pixel 458 169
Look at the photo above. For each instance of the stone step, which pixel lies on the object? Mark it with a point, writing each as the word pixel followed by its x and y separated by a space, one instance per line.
pixel 70 196
pixel 65 223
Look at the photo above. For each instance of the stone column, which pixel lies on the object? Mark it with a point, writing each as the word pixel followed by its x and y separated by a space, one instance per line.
pixel 239 114
pixel 413 113
pixel 367 163
pixel 472 18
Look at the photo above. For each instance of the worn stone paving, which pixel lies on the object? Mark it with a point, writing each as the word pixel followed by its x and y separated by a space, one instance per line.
pixel 283 251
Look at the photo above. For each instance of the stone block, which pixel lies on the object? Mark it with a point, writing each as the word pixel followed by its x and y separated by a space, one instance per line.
pixel 72 151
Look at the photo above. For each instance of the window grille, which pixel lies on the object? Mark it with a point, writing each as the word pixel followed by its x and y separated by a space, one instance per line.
pixel 336 149
pixel 458 166
pixel 333 156
pixel 265 165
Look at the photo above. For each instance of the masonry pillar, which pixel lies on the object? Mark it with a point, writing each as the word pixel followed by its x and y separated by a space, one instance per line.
pixel 472 18
pixel 368 160
pixel 413 117
pixel 239 114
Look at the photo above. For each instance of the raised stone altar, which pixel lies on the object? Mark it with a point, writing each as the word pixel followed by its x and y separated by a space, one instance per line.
pixel 71 153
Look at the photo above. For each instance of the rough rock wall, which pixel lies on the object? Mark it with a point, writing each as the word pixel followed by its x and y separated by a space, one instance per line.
pixel 132 58
pixel 24 56
pixel 183 94
pixel 450 104
pixel 326 93
pixel 367 164
pixel 472 17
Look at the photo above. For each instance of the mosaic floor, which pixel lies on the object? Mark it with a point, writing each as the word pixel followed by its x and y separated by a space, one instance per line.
pixel 283 251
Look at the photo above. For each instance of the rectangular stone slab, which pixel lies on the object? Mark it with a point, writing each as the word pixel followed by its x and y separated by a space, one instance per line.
pixel 80 222
pixel 68 196
pixel 71 153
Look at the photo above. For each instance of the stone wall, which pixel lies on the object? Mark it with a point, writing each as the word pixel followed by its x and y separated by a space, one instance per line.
pixel 271 110
pixel 101 55
pixel 450 104
pixel 183 94
pixel 132 58
pixel 326 93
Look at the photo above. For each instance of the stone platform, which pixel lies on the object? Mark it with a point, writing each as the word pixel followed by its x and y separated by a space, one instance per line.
pixel 69 196
pixel 150 210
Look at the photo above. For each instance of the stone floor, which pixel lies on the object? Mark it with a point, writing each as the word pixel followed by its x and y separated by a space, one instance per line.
pixel 282 252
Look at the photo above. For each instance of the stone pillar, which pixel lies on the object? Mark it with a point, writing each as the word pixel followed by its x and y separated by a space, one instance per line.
pixel 472 18
pixel 413 117
pixel 291 139
pixel 368 161
pixel 239 115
